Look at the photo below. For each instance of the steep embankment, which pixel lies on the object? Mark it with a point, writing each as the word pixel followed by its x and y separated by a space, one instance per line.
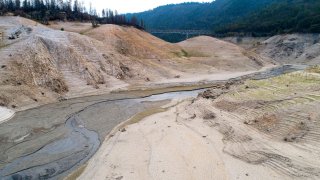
pixel 39 65
pixel 292 48
pixel 286 48
pixel 42 65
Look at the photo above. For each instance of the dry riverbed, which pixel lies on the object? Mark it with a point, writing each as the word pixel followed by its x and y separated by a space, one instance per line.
pixel 38 142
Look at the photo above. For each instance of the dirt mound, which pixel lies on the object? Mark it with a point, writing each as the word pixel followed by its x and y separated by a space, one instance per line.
pixel 221 54
pixel 133 42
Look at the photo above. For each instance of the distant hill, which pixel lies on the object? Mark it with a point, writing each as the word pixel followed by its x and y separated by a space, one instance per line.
pixel 284 16
pixel 229 17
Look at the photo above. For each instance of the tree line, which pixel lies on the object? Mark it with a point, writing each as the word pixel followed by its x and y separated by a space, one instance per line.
pixel 65 10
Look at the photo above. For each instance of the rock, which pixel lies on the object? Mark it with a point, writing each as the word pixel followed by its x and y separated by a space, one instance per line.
pixel 16 177
pixel 124 68
pixel 211 93
pixel 61 98
pixel 209 115
pixel 120 76
pixel 119 178
pixel 18 32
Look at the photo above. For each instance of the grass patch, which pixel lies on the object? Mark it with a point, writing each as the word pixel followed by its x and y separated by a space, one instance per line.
pixel 197 54
pixel 3 45
pixel 287 85
pixel 75 174
pixel 138 117
pixel 314 69
pixel 184 53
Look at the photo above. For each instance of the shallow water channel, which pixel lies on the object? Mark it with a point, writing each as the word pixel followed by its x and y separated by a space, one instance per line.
pixel 77 144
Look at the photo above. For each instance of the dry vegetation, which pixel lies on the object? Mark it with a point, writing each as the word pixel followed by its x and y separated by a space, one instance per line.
pixel 314 69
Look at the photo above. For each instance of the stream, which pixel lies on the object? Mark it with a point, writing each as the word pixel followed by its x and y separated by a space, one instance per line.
pixel 78 145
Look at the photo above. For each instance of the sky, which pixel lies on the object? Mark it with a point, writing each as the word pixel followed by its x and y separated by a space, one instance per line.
pixel 131 6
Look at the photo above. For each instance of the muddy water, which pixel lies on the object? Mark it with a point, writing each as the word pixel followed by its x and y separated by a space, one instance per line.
pixel 77 147
pixel 51 141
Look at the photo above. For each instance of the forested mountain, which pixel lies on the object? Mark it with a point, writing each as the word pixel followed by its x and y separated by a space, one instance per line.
pixel 227 17
pixel 199 15
pixel 284 16
pixel 178 16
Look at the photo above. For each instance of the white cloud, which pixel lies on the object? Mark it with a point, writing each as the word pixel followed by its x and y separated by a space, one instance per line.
pixel 127 6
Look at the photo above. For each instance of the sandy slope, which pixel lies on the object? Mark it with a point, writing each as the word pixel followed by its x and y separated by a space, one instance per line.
pixel 264 129
pixel 221 54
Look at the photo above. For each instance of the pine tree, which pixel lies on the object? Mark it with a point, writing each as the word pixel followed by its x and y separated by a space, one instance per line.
pixel 17 4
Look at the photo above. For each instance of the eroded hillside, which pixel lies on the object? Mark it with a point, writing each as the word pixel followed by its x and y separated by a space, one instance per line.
pixel 292 48
pixel 285 49
pixel 41 65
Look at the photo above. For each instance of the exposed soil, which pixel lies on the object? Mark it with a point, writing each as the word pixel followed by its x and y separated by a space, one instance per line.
pixel 41 65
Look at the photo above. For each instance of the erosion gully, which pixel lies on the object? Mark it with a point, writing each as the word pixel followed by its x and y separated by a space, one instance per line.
pixel 51 141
